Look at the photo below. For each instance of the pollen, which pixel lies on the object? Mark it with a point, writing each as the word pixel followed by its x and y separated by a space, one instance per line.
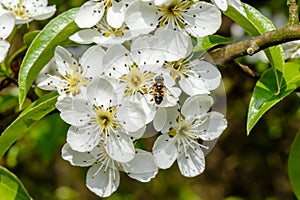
pixel 178 68
pixel 136 81
pixel 106 118
pixel 107 31
pixel 172 14
pixel 183 129
pixel 74 82
pixel 20 11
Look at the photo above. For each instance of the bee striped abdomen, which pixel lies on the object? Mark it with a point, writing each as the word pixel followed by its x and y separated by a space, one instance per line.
pixel 159 90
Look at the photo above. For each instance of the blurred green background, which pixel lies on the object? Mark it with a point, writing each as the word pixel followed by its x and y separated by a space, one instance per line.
pixel 239 167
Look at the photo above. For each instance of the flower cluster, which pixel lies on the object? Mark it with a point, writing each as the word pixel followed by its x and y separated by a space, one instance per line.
pixel 13 12
pixel 139 77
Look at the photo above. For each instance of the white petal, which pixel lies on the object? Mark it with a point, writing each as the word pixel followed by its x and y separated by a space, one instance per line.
pixel 212 126
pixel 149 109
pixel 100 91
pixel 115 14
pixel 191 162
pixel 161 2
pixel 102 182
pixel 65 62
pixel 116 60
pixel 164 151
pixel 193 85
pixel 196 105
pixel 149 50
pixel 222 4
pixel 160 118
pixel 137 134
pixel 53 83
pixel 132 115
pixel 141 17
pixel 119 146
pixel 20 20
pixel 165 118
pixel 89 14
pixel 179 43
pixel 142 167
pixel 91 61
pixel 203 19
pixel 85 36
pixel 84 138
pixel 82 159
pixel 4 47
pixel 208 72
pixel 74 111
pixel 44 13
pixel 7 24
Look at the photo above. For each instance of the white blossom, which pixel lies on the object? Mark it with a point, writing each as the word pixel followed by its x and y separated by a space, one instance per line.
pixel 197 18
pixel 194 76
pixel 91 12
pixel 27 10
pixel 7 23
pixel 72 77
pixel 137 71
pixel 103 34
pixel 103 176
pixel 182 133
pixel 104 23
pixel 98 117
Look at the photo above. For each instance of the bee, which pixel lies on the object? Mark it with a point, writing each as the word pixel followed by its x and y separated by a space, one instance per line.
pixel 158 89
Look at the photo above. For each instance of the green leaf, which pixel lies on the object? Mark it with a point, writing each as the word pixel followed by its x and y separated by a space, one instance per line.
pixel 294 165
pixel 41 50
pixel 11 187
pixel 265 94
pixel 31 114
pixel 29 37
pixel 208 42
pixel 255 23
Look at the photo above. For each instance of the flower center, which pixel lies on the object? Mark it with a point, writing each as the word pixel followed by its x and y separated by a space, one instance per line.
pixel 136 81
pixel 74 82
pixel 106 118
pixel 172 14
pixel 177 68
pixel 19 10
pixel 107 31
pixel 183 129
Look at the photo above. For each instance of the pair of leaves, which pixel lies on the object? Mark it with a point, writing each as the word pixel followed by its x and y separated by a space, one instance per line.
pixel 254 23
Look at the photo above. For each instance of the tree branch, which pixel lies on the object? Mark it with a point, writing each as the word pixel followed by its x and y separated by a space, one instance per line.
pixel 221 56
